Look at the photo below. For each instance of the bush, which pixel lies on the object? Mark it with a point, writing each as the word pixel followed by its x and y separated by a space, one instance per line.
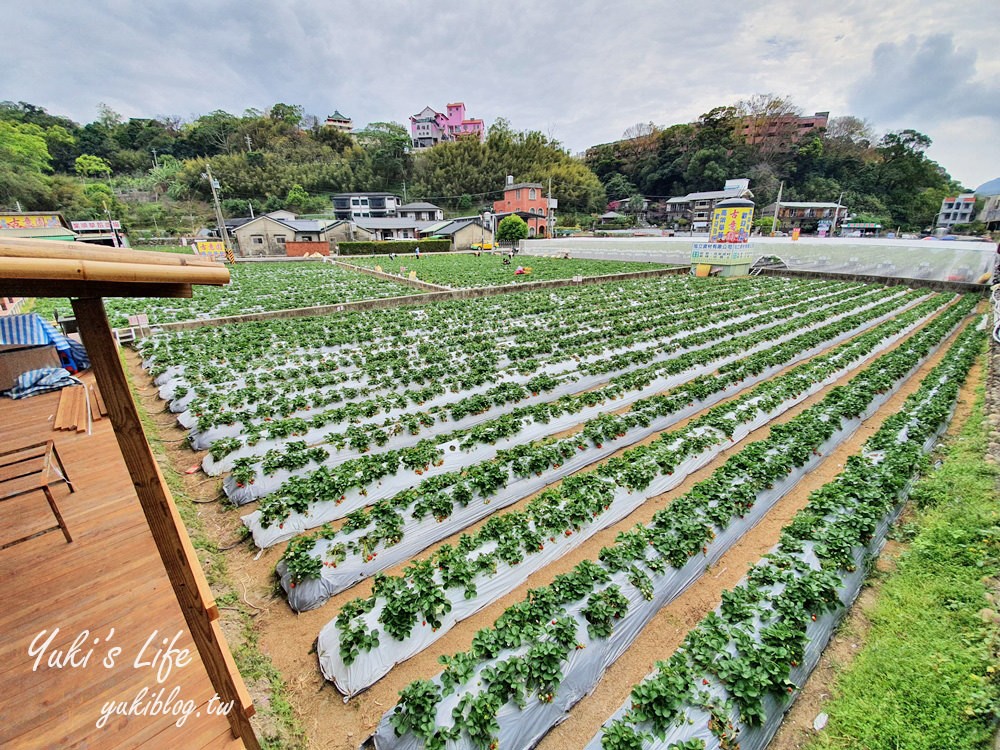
pixel 512 229
pixel 400 247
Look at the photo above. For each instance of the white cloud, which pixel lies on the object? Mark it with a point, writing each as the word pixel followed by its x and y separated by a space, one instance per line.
pixel 580 71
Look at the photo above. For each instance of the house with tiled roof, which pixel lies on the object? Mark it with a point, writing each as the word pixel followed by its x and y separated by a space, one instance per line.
pixel 421 211
pixel 270 235
pixel 527 200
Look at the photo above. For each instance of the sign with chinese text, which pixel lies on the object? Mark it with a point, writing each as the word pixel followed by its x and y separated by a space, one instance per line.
pixel 731 224
pixel 95 226
pixel 214 250
pixel 43 221
pixel 722 253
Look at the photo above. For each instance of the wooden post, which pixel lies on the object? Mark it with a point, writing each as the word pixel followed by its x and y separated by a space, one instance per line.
pixel 175 548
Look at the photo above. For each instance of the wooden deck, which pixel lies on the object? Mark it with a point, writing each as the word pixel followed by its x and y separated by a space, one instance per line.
pixel 110 578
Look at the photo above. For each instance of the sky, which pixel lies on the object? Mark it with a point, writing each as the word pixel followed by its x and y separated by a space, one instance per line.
pixel 582 72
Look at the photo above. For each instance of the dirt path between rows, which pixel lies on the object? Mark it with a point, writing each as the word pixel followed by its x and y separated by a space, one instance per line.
pixel 330 723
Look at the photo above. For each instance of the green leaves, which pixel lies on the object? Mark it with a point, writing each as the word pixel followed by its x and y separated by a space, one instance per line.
pixel 602 609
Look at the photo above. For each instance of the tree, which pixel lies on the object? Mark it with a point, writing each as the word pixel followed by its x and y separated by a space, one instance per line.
pixel 290 114
pixel 850 129
pixel 338 140
pixel 764 224
pixel 24 158
pixel 211 134
pixel 511 229
pixel 24 146
pixel 388 146
pixel 618 187
pixel 300 201
pixel 88 165
pixel 639 130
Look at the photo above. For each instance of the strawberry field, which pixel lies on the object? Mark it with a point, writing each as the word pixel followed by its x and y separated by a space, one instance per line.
pixel 260 287
pixel 462 270
pixel 474 508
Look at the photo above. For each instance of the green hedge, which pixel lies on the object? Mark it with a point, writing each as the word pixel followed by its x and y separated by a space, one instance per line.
pixel 400 247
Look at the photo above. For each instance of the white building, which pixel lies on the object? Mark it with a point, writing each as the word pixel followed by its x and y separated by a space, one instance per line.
pixel 956 210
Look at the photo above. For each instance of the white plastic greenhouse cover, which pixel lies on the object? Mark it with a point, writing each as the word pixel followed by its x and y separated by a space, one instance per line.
pixel 938 260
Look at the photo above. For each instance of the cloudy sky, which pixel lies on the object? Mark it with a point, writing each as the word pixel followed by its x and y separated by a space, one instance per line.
pixel 581 71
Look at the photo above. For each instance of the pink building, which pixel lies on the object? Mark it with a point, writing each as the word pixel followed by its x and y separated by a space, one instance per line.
pixel 429 127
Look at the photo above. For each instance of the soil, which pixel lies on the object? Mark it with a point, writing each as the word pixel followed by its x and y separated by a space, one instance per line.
pixel 329 722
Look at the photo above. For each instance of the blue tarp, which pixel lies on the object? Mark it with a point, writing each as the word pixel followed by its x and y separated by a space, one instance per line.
pixel 32 330
pixel 46 379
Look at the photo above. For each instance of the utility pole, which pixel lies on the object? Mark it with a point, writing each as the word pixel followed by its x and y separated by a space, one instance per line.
pixel 213 183
pixel 777 206
pixel 249 142
pixel 836 214
pixel 156 164
pixel 550 218
pixel 404 192
pixel 111 225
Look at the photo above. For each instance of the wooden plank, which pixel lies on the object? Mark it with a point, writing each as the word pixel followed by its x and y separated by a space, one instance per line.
pixel 83 421
pixel 71 410
pixel 172 541
pixel 57 422
pixel 66 397
pixel 100 402
pixel 95 407
pixel 75 419
pixel 12 287
pixel 13 247
pixel 72 269
pixel 245 701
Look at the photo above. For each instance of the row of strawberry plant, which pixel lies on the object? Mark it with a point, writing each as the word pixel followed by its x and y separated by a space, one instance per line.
pixel 373 540
pixel 737 669
pixel 287 342
pixel 403 361
pixel 693 531
pixel 258 287
pixel 328 493
pixel 366 431
pixel 232 356
pixel 474 394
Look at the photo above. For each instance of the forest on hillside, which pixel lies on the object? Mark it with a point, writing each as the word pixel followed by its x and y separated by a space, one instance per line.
pixel 151 171
pixel 882 178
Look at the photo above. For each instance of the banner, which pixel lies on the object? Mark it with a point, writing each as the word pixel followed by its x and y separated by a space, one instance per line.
pixel 105 225
pixel 15 221
pixel 722 253
pixel 214 250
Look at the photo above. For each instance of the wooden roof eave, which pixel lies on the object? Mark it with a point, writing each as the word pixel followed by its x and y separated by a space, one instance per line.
pixel 48 268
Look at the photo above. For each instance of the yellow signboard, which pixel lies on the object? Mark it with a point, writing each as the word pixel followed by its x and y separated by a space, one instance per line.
pixel 43 221
pixel 731 224
pixel 213 250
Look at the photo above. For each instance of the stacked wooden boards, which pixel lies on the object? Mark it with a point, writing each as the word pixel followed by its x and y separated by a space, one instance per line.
pixel 78 405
